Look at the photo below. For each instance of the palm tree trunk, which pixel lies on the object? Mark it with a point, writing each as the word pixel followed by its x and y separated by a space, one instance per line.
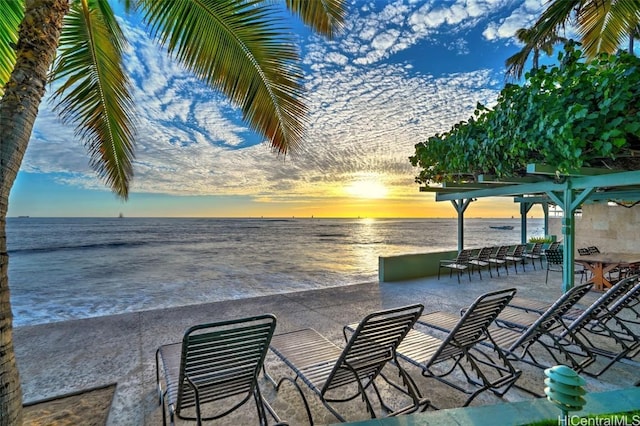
pixel 36 48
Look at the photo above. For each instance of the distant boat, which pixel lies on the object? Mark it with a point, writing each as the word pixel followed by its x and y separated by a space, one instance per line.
pixel 120 215
pixel 23 217
pixel 503 227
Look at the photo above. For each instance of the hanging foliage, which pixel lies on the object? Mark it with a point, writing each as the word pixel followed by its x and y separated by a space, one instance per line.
pixel 570 115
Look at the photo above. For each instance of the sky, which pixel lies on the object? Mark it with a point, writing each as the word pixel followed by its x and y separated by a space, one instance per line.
pixel 400 72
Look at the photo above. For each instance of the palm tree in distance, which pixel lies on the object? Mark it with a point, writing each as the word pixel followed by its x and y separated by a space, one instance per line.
pixel 603 25
pixel 515 64
pixel 239 47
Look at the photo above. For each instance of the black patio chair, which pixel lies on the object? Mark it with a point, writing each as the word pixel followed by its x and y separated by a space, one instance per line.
pixel 459 264
pixel 481 260
pixel 498 258
pixel 534 253
pixel 516 256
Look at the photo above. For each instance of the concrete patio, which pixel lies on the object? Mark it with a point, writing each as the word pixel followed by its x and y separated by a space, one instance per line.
pixel 60 358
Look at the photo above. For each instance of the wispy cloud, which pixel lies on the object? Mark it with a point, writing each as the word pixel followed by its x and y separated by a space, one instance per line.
pixel 367 109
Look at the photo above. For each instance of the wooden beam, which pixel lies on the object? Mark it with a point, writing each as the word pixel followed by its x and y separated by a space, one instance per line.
pixel 543 169
pixel 510 180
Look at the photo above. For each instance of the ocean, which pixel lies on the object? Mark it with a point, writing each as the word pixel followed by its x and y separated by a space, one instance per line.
pixel 69 268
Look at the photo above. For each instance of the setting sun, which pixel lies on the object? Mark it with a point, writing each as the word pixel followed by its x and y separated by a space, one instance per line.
pixel 366 189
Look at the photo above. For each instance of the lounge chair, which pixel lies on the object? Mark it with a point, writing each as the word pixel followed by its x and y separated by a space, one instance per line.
pixel 481 260
pixel 517 335
pixel 498 258
pixel 519 331
pixel 326 368
pixel 604 323
pixel 534 253
pixel 459 264
pixel 515 257
pixel 538 307
pixel 459 348
pixel 215 364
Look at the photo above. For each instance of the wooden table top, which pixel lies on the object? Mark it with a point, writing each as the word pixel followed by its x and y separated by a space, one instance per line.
pixel 610 258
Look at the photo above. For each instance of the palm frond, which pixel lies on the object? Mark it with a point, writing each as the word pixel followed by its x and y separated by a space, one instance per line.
pixel 324 16
pixel 604 24
pixel 239 48
pixel 94 94
pixel 11 13
pixel 552 20
pixel 515 63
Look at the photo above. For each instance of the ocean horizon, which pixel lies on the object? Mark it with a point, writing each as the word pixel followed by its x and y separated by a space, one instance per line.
pixel 70 268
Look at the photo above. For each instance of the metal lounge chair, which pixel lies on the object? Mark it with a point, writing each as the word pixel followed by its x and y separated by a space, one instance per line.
pixel 498 258
pixel 459 349
pixel 459 264
pixel 538 307
pixel 516 335
pixel 604 329
pixel 331 372
pixel 515 257
pixel 481 260
pixel 534 253
pixel 214 363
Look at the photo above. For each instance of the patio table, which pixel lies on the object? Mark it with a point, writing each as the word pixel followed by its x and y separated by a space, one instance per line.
pixel 600 264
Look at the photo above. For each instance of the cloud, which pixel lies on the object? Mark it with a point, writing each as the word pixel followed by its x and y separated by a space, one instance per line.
pixel 522 17
pixel 366 113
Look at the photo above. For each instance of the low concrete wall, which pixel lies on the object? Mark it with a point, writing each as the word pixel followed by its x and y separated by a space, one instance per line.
pixel 410 266
pixel 419 265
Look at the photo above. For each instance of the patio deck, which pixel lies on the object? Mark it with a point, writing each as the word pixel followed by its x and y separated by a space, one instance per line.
pixel 60 358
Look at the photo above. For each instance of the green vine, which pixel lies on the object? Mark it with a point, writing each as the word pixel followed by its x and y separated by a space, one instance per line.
pixel 570 115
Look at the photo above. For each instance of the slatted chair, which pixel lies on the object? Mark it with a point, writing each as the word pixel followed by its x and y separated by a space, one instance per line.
pixel 459 264
pixel 534 253
pixel 604 330
pixel 459 348
pixel 539 307
pixel 481 260
pixel 553 246
pixel 554 262
pixel 215 364
pixel 328 369
pixel 517 334
pixel 516 256
pixel 498 258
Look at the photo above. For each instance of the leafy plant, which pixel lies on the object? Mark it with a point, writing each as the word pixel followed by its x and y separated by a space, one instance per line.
pixel 544 240
pixel 570 115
